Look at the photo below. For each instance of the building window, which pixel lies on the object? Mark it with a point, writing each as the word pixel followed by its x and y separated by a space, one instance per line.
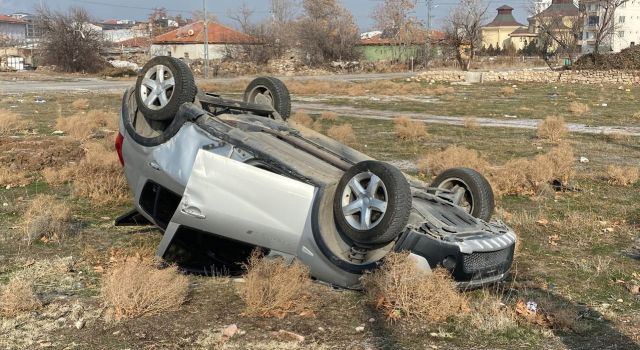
pixel 186 55
pixel 593 20
pixel 621 19
pixel 621 34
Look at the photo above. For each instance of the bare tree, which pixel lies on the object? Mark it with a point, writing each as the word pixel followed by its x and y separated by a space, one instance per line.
pixel 558 33
pixel 283 11
pixel 198 15
pixel 327 32
pixel 69 40
pixel 242 16
pixel 462 29
pixel 605 24
pixel 393 14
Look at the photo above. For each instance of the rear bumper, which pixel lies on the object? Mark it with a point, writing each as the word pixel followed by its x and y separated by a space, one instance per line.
pixel 468 269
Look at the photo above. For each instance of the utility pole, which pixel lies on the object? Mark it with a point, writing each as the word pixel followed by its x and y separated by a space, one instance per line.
pixel 428 43
pixel 206 40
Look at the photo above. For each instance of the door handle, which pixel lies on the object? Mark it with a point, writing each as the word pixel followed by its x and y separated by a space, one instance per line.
pixel 193 212
pixel 154 165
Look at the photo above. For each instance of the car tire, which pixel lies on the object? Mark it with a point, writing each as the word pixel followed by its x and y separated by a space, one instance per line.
pixel 472 191
pixel 372 214
pixel 270 91
pixel 164 84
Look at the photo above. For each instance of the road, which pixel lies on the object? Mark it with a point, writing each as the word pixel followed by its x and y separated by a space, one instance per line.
pixel 95 84
pixel 518 123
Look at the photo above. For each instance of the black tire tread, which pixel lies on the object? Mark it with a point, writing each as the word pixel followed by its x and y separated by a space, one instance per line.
pixel 480 188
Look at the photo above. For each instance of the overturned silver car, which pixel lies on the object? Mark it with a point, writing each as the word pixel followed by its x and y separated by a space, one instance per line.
pixel 222 178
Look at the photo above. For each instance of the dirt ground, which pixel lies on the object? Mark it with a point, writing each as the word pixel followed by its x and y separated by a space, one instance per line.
pixel 577 257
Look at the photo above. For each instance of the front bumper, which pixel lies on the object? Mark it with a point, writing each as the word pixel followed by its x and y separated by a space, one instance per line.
pixel 468 269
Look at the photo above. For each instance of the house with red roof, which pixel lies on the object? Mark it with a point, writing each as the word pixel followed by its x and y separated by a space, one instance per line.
pixel 189 41
pixel 12 28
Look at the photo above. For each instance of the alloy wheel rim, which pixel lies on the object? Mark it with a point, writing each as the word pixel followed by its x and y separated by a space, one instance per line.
pixel 157 87
pixel 364 201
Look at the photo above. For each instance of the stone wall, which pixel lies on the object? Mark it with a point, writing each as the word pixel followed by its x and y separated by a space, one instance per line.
pixel 535 76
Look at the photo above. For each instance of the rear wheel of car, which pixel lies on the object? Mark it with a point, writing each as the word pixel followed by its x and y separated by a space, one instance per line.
pixel 372 204
pixel 269 91
pixel 163 86
pixel 467 189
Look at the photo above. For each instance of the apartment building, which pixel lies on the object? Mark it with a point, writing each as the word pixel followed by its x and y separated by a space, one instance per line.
pixel 625 31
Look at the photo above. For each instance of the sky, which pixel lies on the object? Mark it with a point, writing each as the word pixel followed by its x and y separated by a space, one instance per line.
pixel 139 9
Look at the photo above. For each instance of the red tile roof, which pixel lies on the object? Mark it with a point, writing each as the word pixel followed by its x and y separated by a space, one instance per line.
pixel 417 37
pixel 136 42
pixel 194 34
pixel 8 19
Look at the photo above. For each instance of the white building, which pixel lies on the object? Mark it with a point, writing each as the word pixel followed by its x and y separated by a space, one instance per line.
pixel 626 29
pixel 12 28
pixel 188 41
pixel 541 5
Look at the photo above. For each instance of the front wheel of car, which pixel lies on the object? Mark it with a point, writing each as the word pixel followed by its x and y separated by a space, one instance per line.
pixel 163 86
pixel 372 204
pixel 467 189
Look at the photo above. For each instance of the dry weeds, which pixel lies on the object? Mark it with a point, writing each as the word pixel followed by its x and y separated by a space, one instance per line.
pixel 329 116
pixel 273 288
pixel 403 290
pixel 81 103
pixel 47 219
pixel 489 314
pixel 12 177
pixel 343 133
pixel 507 91
pixel 572 94
pixel 137 288
pixel 99 177
pixel 579 108
pixel 11 122
pixel 471 123
pixel 452 157
pixel 622 175
pixel 636 115
pixel 93 124
pixel 410 130
pixel 552 129
pixel 302 118
pixel 18 297
pixel 59 176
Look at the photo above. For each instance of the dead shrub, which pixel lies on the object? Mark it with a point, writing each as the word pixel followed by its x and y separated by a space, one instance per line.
pixel 636 115
pixel 622 175
pixel 452 157
pixel 58 176
pixel 273 288
pixel 524 177
pixel 579 108
pixel 329 116
pixel 10 177
pixel 93 124
pixel 136 288
pixel 403 290
pixel 99 177
pixel 471 123
pixel 18 297
pixel 81 103
pixel 489 314
pixel 571 94
pixel 507 91
pixel 442 90
pixel 47 219
pixel 552 129
pixel 11 122
pixel 410 130
pixel 343 133
pixel 302 118
pixel 561 161
pixel 617 136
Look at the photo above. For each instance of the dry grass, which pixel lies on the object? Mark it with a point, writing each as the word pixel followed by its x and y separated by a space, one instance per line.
pixel 302 118
pixel 137 288
pixel 507 91
pixel 11 177
pixel 552 129
pixel 533 176
pixel 403 290
pixel 99 177
pixel 442 90
pixel 343 133
pixel 617 136
pixel 273 288
pixel 93 124
pixel 47 219
pixel 452 157
pixel 384 87
pixel 329 116
pixel 11 122
pixel 58 176
pixel 471 123
pixel 489 314
pixel 410 130
pixel 18 297
pixel 81 103
pixel 572 94
pixel 636 115
pixel 622 176
pixel 579 108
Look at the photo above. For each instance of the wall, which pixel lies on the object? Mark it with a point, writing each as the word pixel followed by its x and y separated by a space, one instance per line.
pixel 373 53
pixel 495 36
pixel 537 76
pixel 193 51
pixel 15 31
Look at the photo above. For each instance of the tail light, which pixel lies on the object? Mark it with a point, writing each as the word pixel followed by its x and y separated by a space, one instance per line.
pixel 119 141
